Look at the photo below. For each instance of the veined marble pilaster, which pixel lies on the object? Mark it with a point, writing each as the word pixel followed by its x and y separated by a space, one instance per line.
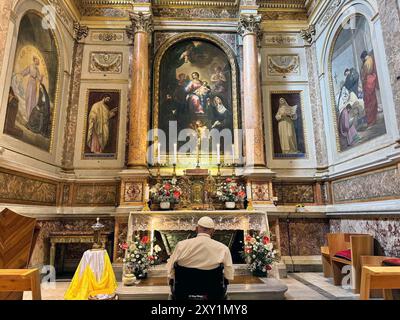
pixel 316 108
pixel 389 12
pixel 249 29
pixel 142 26
pixel 80 32
pixel 5 9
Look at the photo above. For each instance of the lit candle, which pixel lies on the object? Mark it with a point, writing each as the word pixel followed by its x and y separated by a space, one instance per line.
pixel 233 153
pixel 175 153
pixel 159 153
pixel 248 191
pixel 146 193
pixel 218 154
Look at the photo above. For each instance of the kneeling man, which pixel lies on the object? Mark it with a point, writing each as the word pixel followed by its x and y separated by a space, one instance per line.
pixel 202 252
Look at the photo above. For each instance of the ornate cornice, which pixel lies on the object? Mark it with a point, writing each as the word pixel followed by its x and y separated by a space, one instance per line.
pixel 80 32
pixel 141 22
pixel 308 34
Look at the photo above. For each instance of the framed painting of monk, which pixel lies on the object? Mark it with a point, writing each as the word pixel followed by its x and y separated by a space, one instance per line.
pixel 195 87
pixel 355 88
pixel 101 124
pixel 288 125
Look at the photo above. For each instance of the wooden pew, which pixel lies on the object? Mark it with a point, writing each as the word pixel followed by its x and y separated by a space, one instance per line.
pixel 326 262
pixel 360 245
pixel 20 280
pixel 17 238
pixel 385 278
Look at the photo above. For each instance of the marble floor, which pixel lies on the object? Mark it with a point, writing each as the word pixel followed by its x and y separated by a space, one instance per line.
pixel 302 286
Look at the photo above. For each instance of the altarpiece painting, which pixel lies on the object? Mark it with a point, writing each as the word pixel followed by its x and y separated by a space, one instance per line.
pixel 195 86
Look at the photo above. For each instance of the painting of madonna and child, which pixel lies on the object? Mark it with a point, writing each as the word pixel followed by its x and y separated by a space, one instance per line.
pixel 195 88
pixel 33 90
pixel 357 92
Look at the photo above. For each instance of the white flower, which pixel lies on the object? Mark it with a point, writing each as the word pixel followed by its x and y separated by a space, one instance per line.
pixel 157 248
pixel 132 255
pixel 123 260
pixel 137 256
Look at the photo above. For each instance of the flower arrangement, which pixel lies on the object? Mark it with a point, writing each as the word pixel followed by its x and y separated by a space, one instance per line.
pixel 230 191
pixel 259 253
pixel 138 256
pixel 167 191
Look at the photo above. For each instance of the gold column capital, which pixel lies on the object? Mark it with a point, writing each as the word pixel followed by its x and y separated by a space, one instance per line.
pixel 141 22
pixel 249 24
pixel 80 32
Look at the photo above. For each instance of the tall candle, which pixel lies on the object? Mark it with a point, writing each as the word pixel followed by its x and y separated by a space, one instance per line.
pixel 146 193
pixel 248 191
pixel 233 153
pixel 175 153
pixel 218 154
pixel 159 153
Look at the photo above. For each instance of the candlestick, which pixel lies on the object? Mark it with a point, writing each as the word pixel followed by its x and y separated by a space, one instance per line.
pixel 159 153
pixel 175 153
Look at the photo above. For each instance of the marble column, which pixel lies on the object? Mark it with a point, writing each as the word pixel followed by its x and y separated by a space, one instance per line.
pixel 249 29
pixel 142 26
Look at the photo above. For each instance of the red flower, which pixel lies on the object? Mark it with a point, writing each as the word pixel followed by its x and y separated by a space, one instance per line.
pixel 248 250
pixel 248 238
pixel 167 186
pixel 123 246
pixel 242 194
pixel 268 267
pixel 151 258
pixel 266 240
pixel 177 194
pixel 228 180
pixel 167 194
pixel 145 240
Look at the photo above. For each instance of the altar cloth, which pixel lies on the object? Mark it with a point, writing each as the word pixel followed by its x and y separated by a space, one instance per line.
pixel 94 276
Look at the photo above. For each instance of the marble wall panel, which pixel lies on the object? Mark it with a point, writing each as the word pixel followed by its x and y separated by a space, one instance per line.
pixel 376 185
pixel 19 188
pixel 386 232
pixel 293 193
pixel 303 236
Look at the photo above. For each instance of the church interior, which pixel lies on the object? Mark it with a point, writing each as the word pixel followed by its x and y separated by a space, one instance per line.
pixel 123 122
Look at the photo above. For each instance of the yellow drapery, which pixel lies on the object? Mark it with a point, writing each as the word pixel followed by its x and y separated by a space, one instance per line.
pixel 82 287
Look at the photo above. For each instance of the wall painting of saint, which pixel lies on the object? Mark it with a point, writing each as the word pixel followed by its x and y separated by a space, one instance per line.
pixel 33 92
pixel 287 125
pixel 356 92
pixel 101 131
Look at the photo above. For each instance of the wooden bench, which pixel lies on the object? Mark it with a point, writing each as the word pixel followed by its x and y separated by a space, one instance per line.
pixel 19 280
pixel 359 244
pixel 326 262
pixel 385 278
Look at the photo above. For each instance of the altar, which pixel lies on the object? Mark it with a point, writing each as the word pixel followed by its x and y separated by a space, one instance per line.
pixel 173 226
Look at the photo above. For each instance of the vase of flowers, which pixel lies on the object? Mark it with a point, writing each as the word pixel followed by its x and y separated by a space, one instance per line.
pixel 259 254
pixel 230 192
pixel 166 193
pixel 139 257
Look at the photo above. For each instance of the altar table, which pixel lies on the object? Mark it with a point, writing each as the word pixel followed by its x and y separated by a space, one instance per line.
pixel 94 276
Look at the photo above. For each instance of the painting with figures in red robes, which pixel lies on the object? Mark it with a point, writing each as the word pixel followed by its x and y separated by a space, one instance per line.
pixel 355 85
